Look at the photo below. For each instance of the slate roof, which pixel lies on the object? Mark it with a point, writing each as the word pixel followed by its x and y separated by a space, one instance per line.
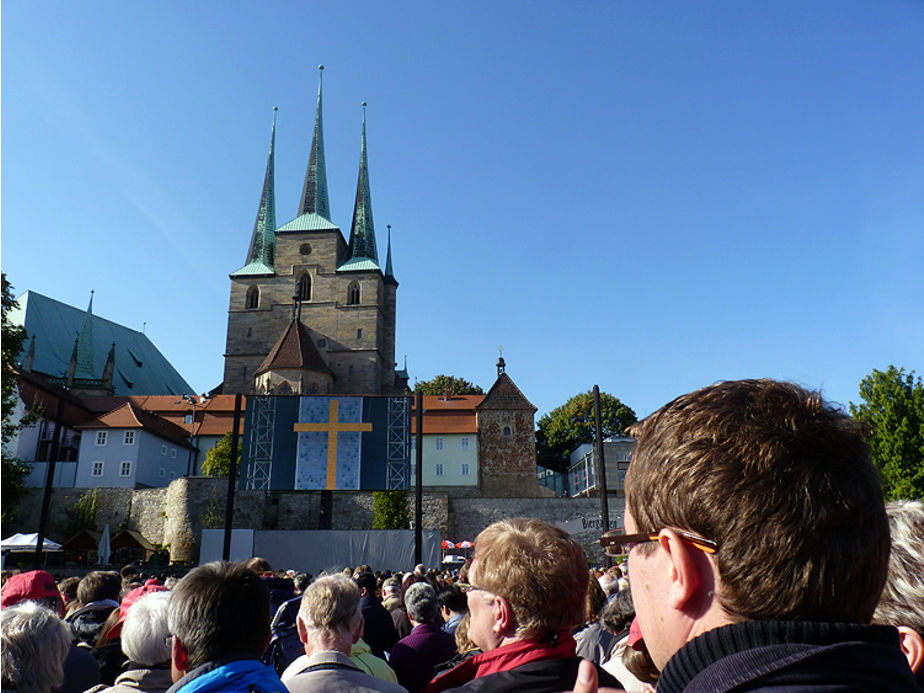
pixel 130 415
pixel 139 366
pixel 505 395
pixel 295 349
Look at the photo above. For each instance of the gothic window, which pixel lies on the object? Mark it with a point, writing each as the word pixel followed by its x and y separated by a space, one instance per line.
pixel 253 298
pixel 506 430
pixel 353 294
pixel 303 287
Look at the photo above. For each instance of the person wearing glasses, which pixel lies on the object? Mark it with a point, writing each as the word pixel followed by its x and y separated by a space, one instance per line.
pixel 758 545
pixel 526 591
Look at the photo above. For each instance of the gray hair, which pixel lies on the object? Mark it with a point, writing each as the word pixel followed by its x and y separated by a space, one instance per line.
pixel 145 631
pixel 35 644
pixel 902 601
pixel 421 602
pixel 330 604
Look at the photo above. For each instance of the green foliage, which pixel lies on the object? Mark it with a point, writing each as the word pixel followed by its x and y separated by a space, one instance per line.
pixel 82 514
pixel 14 471
pixel 218 459
pixel 213 513
pixel 389 510
pixel 12 490
pixel 893 410
pixel 564 428
pixel 457 386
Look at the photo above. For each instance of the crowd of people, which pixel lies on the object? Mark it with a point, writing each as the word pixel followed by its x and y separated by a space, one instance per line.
pixel 758 556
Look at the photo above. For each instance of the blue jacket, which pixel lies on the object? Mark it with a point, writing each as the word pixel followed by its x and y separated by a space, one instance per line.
pixel 233 676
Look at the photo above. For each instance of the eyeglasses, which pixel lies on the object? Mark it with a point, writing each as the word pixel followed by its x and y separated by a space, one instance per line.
pixel 466 587
pixel 617 544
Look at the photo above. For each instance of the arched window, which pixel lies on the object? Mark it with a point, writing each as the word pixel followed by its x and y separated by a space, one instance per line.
pixel 303 287
pixel 353 294
pixel 506 430
pixel 253 298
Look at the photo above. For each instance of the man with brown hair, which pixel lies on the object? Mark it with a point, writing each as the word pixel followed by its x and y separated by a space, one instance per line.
pixel 526 592
pixel 758 545
pixel 219 618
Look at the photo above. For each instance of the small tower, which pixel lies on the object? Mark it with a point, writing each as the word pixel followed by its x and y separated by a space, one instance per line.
pixel 507 441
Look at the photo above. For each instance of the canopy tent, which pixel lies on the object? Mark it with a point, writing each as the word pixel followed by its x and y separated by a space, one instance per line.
pixel 28 542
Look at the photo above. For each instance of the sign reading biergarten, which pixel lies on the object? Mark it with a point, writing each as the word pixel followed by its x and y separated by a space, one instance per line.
pixel 326 442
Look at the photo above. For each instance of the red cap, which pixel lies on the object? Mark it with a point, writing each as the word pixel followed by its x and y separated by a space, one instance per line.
pixel 151 585
pixel 635 636
pixel 35 585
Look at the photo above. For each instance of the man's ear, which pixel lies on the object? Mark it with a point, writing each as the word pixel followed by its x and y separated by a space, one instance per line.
pixel 358 629
pixel 912 645
pixel 178 660
pixel 685 565
pixel 302 630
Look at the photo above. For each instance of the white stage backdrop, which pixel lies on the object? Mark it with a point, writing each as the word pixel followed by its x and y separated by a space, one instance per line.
pixel 315 550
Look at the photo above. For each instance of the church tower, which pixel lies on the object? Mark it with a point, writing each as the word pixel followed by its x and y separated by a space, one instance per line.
pixel 305 271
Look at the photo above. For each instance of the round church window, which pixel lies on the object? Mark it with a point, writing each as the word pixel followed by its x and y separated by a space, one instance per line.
pixel 305 249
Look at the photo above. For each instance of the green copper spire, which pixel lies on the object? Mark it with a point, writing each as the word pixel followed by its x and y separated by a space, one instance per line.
pixel 389 274
pixel 261 256
pixel 314 192
pixel 362 232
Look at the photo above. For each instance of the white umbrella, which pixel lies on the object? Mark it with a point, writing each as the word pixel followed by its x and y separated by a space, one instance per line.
pixel 103 551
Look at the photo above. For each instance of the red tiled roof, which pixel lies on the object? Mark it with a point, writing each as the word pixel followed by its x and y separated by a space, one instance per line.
pixel 129 415
pixel 453 415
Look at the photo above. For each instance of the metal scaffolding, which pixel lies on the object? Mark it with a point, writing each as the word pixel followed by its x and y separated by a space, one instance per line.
pixel 399 443
pixel 261 442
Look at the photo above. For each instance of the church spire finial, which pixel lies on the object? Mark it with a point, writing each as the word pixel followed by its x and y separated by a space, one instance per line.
pixel 501 365
pixel 90 307
pixel 362 232
pixel 261 255
pixel 314 198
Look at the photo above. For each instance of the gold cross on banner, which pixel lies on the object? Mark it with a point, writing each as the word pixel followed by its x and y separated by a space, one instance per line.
pixel 333 426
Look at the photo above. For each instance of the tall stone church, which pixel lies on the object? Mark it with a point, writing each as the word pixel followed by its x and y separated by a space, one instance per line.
pixel 310 312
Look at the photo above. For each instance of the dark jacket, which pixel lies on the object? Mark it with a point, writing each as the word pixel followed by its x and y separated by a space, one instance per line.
pixel 415 657
pixel 379 631
pixel 790 657
pixel 88 621
pixel 544 676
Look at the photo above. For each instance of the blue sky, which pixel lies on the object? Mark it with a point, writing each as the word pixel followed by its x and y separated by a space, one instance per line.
pixel 650 196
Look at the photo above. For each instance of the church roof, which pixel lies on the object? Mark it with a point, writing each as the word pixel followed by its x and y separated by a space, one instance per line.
pixel 505 395
pixel 309 222
pixel 362 231
pixel 129 415
pixel 359 264
pixel 139 366
pixel 261 256
pixel 295 349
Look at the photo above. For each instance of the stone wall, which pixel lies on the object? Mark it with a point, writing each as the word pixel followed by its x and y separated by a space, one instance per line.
pixel 579 516
pixel 175 516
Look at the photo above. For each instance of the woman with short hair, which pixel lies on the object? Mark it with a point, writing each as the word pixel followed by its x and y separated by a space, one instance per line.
pixel 35 644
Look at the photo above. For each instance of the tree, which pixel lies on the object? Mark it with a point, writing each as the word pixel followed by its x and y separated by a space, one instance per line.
pixel 389 510
pixel 564 428
pixel 14 471
pixel 457 386
pixel 218 459
pixel 893 410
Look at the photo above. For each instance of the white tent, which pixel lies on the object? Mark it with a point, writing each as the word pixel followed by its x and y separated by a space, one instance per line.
pixel 27 542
